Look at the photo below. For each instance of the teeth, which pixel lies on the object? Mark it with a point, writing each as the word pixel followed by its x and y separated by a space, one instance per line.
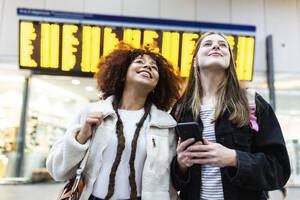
pixel 145 74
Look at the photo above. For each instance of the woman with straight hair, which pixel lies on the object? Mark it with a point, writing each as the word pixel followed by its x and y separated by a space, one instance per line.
pixel 132 139
pixel 243 152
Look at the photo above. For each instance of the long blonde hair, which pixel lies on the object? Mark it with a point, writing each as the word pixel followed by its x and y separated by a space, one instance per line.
pixel 230 96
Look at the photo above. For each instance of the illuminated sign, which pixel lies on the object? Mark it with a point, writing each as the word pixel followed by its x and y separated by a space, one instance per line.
pixel 74 49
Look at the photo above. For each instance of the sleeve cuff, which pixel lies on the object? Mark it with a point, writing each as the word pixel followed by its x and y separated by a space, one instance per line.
pixel 72 143
pixel 235 173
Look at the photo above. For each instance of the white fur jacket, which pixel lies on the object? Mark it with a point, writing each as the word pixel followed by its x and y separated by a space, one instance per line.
pixel 65 155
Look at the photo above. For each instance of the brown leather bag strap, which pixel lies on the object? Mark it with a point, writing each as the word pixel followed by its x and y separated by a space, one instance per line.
pixel 73 189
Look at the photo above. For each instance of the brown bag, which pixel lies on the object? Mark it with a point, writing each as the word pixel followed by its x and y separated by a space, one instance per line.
pixel 73 189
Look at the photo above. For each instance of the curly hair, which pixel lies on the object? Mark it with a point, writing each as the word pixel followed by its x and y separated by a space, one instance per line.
pixel 113 69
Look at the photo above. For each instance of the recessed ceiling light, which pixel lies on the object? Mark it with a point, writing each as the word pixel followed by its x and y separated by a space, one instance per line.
pixel 75 82
pixel 89 88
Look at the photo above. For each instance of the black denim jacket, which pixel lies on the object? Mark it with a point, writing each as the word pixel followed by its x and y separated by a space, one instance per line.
pixel 263 162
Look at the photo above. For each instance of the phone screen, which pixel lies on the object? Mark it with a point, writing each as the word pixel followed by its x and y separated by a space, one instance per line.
pixel 188 130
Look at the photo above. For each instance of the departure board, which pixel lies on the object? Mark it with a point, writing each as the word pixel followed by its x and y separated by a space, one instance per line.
pixel 74 49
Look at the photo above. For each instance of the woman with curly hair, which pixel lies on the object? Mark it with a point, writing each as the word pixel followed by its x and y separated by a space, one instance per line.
pixel 133 142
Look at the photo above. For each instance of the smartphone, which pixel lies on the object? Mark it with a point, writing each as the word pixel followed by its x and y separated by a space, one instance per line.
pixel 188 130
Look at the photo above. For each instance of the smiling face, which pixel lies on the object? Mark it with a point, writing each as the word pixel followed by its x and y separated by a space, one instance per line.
pixel 213 52
pixel 143 72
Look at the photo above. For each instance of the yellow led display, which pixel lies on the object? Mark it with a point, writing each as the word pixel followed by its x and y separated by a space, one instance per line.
pixel 149 40
pixel 110 41
pixel 76 48
pixel 244 60
pixel 188 46
pixel 231 42
pixel 170 47
pixel 96 32
pixel 49 46
pixel 132 37
pixel 69 41
pixel 90 48
pixel 27 35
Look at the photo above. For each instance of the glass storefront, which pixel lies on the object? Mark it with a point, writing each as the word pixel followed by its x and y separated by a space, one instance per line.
pixel 53 103
pixel 11 87
pixel 289 118
pixel 287 96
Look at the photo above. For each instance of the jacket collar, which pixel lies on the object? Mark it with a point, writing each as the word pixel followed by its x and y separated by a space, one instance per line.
pixel 106 106
pixel 161 119
pixel 158 118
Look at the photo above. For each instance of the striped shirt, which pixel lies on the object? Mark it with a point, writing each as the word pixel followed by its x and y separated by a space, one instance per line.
pixel 211 187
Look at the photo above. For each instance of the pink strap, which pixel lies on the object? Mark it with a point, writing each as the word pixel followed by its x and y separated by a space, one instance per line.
pixel 253 122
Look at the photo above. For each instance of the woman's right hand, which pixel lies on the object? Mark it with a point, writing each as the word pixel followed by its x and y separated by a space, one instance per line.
pixel 183 156
pixel 92 121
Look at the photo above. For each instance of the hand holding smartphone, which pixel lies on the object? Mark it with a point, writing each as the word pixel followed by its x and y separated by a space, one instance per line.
pixel 188 130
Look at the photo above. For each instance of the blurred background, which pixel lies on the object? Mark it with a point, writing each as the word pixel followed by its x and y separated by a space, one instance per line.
pixel 49 50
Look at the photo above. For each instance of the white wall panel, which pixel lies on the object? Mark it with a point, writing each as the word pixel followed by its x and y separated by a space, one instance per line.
pixel 1 20
pixel 9 30
pixel 1 14
pixel 251 12
pixel 40 4
pixel 214 11
pixel 247 11
pixel 142 8
pixel 103 6
pixel 65 5
pixel 282 22
pixel 1 9
pixel 178 9
pixel 298 19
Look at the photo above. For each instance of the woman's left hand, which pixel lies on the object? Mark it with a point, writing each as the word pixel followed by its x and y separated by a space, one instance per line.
pixel 213 154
